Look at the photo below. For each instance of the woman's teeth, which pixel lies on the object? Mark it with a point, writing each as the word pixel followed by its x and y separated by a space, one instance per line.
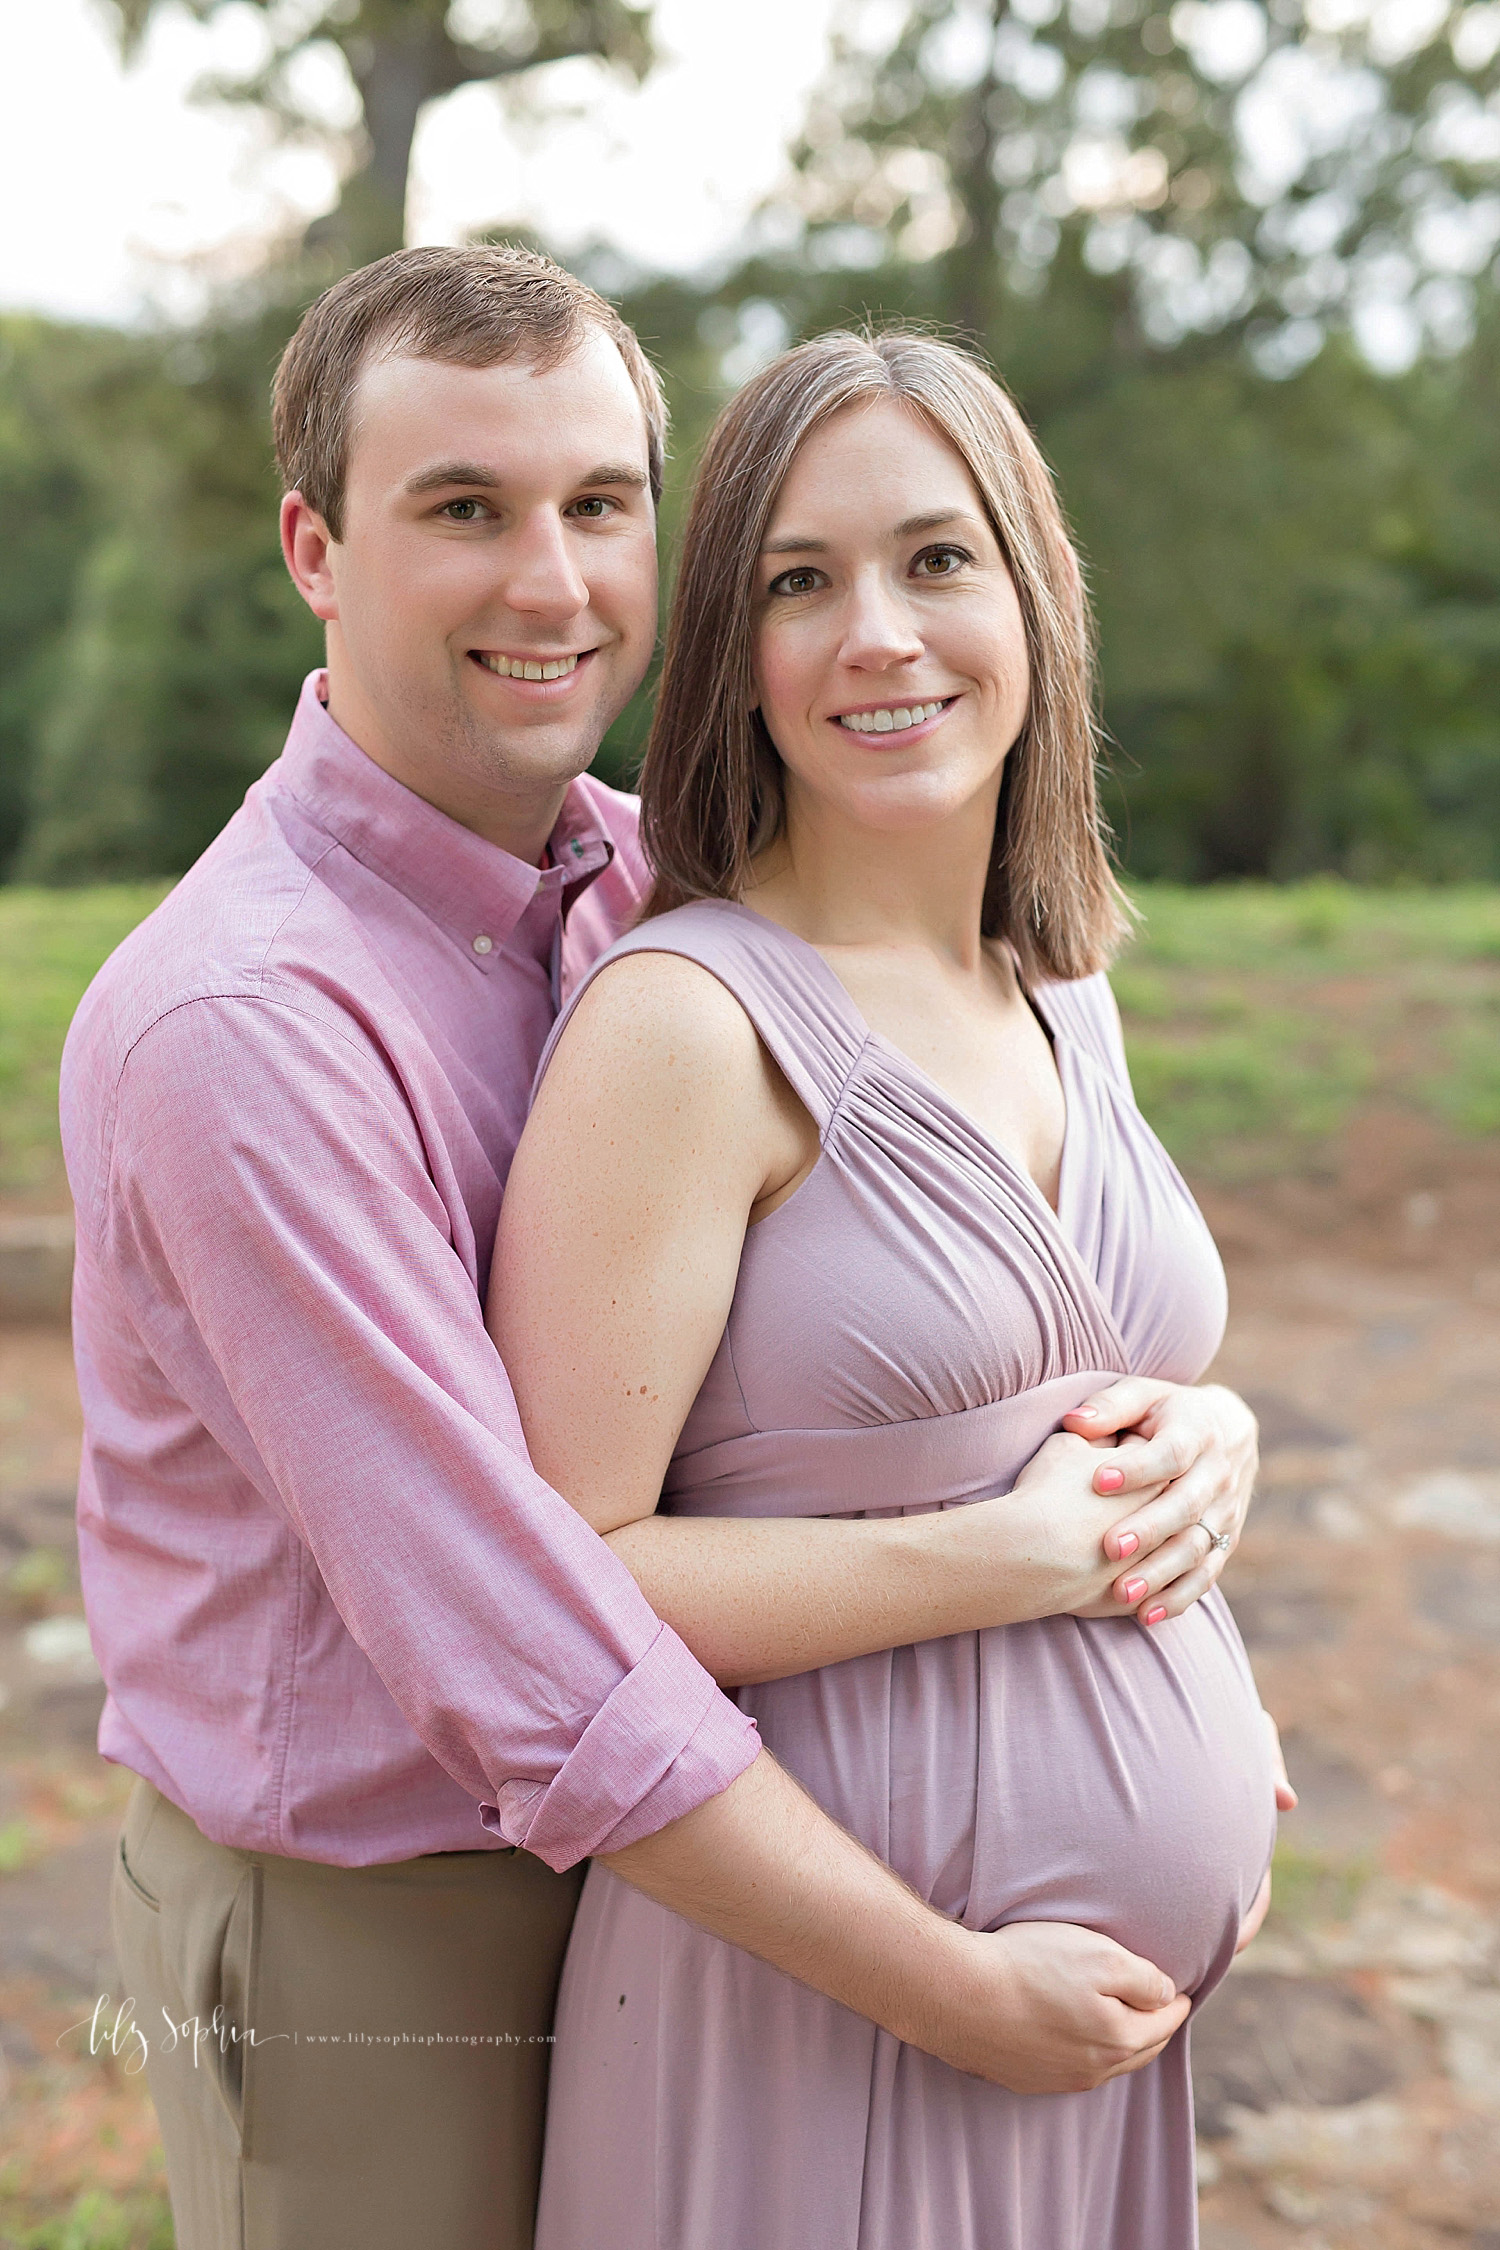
pixel 889 722
pixel 530 668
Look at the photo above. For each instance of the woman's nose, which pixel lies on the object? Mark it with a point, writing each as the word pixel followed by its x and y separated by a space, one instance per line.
pixel 878 627
pixel 542 578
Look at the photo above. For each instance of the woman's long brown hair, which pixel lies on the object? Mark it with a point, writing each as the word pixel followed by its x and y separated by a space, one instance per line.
pixel 711 785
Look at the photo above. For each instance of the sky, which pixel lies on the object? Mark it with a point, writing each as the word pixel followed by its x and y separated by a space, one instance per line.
pixel 126 200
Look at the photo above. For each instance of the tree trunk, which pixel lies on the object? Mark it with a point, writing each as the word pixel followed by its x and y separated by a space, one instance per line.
pixel 974 279
pixel 396 75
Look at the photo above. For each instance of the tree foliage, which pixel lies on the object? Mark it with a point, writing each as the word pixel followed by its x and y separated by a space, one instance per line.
pixel 1295 559
pixel 400 55
pixel 167 635
pixel 1274 170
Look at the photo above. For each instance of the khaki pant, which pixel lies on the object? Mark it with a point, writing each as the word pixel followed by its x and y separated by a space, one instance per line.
pixel 355 2056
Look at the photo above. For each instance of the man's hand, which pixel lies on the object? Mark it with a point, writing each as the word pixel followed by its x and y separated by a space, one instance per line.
pixel 1189 1454
pixel 1070 2009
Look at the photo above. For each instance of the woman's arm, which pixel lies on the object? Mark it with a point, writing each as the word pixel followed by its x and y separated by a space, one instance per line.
pixel 660 1128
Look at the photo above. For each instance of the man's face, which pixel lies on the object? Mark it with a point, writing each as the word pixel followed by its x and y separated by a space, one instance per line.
pixel 492 604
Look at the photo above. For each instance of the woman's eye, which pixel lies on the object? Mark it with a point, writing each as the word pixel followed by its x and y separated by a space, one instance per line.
pixel 795 582
pixel 940 562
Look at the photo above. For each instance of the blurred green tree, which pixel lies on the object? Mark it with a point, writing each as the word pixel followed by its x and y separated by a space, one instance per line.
pixel 146 708
pixel 1295 558
pixel 1164 228
pixel 165 687
pixel 48 521
pixel 1275 171
pixel 400 55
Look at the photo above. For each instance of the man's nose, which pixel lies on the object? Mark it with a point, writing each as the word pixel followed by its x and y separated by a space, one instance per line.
pixel 541 576
pixel 879 629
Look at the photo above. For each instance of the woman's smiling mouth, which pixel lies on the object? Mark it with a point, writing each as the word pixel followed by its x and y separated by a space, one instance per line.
pixel 892 718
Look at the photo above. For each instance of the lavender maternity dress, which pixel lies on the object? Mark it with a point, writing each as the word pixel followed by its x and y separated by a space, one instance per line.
pixel 906 1330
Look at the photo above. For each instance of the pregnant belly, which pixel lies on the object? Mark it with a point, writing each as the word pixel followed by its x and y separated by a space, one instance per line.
pixel 1055 1771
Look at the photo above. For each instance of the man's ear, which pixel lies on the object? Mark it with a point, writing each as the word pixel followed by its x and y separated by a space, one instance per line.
pixel 305 543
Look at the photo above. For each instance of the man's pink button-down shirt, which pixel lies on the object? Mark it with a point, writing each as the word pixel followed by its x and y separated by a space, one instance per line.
pixel 334 1605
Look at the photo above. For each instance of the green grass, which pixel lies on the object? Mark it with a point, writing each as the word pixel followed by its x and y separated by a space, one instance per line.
pixel 1258 1019
pixel 100 2221
pixel 1309 1889
pixel 51 942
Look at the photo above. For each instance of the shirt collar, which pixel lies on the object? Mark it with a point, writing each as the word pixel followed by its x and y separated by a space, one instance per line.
pixel 471 889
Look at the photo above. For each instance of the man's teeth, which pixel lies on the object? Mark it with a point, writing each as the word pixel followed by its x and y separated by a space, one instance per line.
pixel 529 668
pixel 889 722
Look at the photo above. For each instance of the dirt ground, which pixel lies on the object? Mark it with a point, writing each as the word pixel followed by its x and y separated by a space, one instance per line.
pixel 1349 2071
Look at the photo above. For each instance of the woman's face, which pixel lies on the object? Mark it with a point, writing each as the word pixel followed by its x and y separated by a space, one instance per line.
pixel 891 659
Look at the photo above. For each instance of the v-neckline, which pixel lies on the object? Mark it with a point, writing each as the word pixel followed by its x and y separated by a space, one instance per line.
pixel 1004 1158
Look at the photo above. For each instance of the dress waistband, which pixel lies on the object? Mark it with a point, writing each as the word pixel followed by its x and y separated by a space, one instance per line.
pixel 939 1460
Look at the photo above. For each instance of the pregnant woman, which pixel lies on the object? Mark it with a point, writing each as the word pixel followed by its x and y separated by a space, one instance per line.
pixel 835 1196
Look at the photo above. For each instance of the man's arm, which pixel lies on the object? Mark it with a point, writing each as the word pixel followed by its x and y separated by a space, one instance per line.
pixel 286 1257
pixel 1040 2007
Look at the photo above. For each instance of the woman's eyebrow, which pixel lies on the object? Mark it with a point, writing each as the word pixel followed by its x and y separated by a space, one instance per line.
pixel 794 544
pixel 934 520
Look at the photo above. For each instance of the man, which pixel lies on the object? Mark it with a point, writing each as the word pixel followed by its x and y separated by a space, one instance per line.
pixel 335 1607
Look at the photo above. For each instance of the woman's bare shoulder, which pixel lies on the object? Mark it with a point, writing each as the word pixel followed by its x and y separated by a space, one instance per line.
pixel 664 1015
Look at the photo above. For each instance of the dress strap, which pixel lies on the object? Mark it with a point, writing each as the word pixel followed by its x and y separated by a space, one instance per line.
pixel 805 1019
pixel 1085 1012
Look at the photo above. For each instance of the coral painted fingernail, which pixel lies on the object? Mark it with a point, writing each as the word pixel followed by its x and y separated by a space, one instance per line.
pixel 1108 1480
pixel 1128 1545
pixel 1154 1616
pixel 1133 1589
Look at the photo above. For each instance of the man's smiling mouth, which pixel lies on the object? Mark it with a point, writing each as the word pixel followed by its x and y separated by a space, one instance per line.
pixel 532 667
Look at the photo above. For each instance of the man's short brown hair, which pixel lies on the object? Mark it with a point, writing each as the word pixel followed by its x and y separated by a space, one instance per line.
pixel 469 307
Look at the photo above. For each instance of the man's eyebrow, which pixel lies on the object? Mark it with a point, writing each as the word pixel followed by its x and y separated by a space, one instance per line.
pixel 908 528
pixel 614 472
pixel 451 472
pixel 442 474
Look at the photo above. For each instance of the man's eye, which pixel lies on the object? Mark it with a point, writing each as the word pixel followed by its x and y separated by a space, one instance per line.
pixel 592 508
pixel 462 511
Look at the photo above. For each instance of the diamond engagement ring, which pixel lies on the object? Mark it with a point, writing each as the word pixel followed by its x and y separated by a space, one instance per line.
pixel 1219 1539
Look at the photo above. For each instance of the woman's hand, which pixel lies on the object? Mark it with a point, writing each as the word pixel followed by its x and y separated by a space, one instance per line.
pixel 1189 1453
pixel 1041 1549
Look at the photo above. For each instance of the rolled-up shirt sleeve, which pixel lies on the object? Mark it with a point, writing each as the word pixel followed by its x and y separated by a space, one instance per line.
pixel 273 1225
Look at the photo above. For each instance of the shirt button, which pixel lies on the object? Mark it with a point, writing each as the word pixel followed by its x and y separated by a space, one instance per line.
pixel 483 944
